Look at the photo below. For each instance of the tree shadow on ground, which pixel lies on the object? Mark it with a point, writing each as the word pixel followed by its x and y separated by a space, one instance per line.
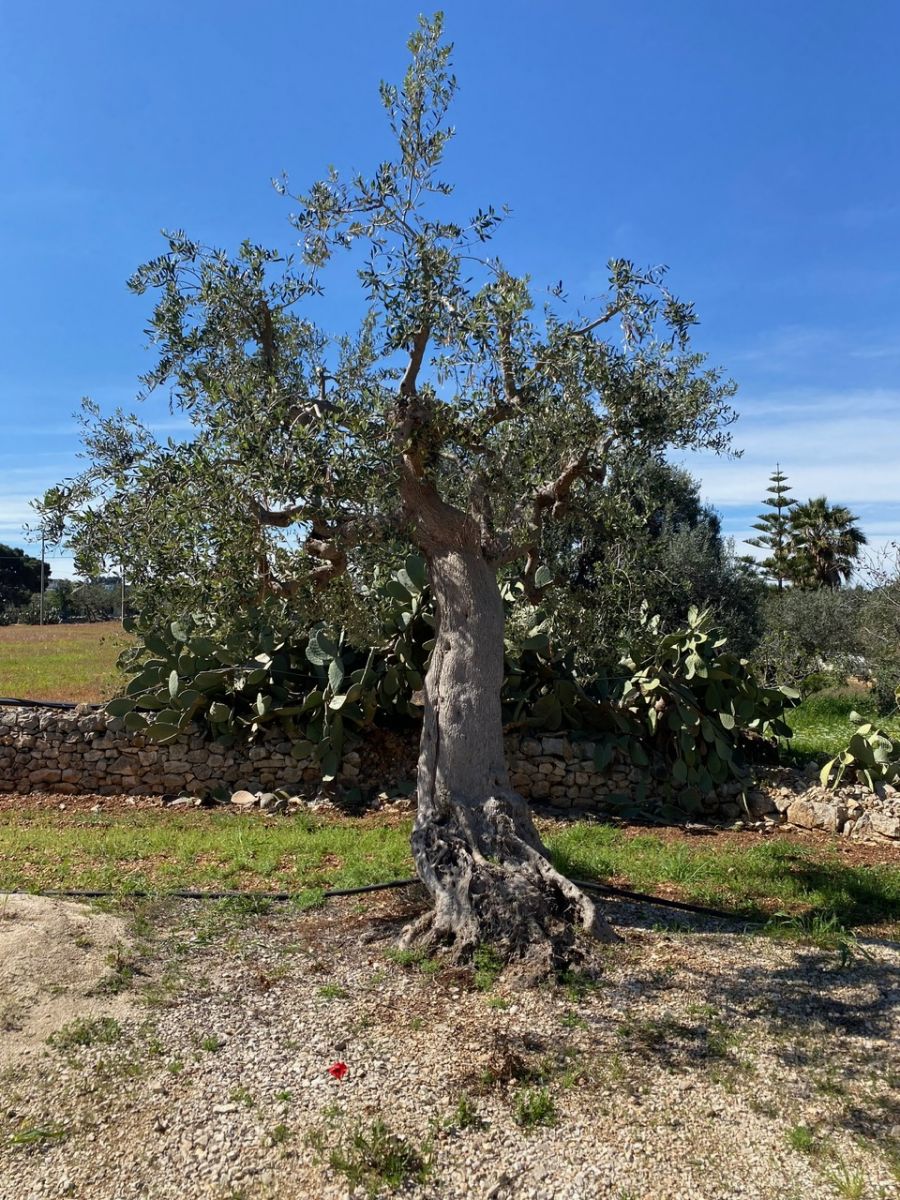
pixel 832 1017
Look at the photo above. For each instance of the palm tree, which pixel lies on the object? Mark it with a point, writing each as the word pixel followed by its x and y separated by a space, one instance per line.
pixel 824 543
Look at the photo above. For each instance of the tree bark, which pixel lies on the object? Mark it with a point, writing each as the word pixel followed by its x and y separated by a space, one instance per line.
pixel 475 845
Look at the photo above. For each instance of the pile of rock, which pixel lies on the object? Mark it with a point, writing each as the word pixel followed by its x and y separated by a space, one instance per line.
pixel 851 810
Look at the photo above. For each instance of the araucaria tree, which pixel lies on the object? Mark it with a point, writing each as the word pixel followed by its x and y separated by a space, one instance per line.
pixel 461 419
pixel 775 528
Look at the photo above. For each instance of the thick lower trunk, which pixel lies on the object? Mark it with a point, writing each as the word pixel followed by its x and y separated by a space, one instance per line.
pixel 474 843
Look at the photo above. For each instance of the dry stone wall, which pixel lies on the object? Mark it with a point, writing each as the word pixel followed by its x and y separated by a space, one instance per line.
pixel 83 751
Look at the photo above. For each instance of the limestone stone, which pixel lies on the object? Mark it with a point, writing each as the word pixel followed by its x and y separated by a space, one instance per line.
pixel 885 825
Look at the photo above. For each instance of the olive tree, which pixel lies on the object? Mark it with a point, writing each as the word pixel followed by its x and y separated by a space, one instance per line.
pixel 462 418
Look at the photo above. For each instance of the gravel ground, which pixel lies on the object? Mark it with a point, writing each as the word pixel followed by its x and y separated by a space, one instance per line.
pixel 691 1061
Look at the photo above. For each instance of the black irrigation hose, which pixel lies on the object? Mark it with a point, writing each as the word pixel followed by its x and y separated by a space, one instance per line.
pixel 180 894
pixel 14 702
pixel 605 888
pixel 609 890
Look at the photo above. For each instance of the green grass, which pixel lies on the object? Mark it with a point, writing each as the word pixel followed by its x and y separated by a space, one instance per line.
pixel 38 1137
pixel 86 1031
pixel 821 725
pixel 777 874
pixel 158 851
pixel 61 662
pixel 800 1138
pixel 376 1159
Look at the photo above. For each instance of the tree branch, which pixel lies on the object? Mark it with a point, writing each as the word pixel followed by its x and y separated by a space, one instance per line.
pixel 278 518
pixel 612 311
pixel 330 543
pixel 552 499
pixel 416 355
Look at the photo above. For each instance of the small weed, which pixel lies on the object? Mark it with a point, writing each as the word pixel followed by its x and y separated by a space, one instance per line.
pixel 316 1140
pixel 822 930
pixel 704 1012
pixel 720 1039
pixel 121 1068
pixel 175 1066
pixel 616 1071
pixel 488 966
pixel 286 1097
pixel 829 1085
pixel 37 1137
pixel 280 1134
pixel 800 1137
pixel 405 958
pixel 765 1108
pixel 11 1015
pixel 212 1044
pixel 415 957
pixel 86 1031
pixel 123 968
pixel 465 1115
pixel 375 1159
pixel 416 1024
pixel 245 906
pixel 573 1070
pixel 571 1020
pixel 849 1184
pixel 333 991
pixel 578 984
pixel 535 1107
pixel 240 1095
pixel 162 993
pixel 497 1002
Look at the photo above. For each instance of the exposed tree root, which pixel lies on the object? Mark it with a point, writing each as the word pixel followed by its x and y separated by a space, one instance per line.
pixel 492 884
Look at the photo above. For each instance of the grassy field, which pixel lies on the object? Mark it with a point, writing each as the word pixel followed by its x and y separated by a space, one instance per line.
pixel 822 725
pixel 155 850
pixel 60 662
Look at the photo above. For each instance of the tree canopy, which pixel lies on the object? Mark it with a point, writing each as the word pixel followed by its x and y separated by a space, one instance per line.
pixel 20 576
pixel 825 542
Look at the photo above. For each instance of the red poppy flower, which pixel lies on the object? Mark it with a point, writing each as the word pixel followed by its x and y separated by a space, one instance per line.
pixel 338 1070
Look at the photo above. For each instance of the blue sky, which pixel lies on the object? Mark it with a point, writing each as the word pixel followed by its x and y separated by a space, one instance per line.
pixel 752 148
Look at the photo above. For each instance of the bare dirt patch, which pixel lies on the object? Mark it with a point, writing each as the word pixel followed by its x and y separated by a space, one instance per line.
pixel 57 966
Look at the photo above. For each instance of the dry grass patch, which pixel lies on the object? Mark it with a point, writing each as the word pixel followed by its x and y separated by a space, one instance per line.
pixel 61 662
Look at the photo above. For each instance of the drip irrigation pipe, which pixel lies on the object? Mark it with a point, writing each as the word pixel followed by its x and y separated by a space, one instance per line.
pixel 181 894
pixel 15 702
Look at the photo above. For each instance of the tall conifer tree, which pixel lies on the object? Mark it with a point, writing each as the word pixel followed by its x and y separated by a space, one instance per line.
pixel 774 528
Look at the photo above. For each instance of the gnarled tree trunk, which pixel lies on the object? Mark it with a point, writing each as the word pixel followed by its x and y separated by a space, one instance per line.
pixel 475 845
